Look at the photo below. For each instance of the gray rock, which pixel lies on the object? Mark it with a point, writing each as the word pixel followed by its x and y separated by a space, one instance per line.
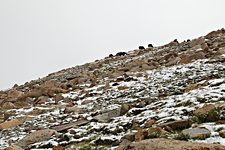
pixel 106 117
pixel 197 133
pixel 37 136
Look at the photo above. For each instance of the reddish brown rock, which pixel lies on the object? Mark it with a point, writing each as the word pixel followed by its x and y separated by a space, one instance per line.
pixel 12 123
pixel 149 123
pixel 207 113
pixel 58 97
pixel 50 84
pixel 195 86
pixel 156 132
pixel 8 105
pixel 35 137
pixel 14 93
pixel 198 41
pixel 121 88
pixel 176 125
pixel 141 135
pixel 169 144
pixel 184 59
pixel 173 62
pixel 215 33
pixel 188 57
pixel 170 56
pixel 42 100
pixel 58 148
pixel 130 137
pixel 14 147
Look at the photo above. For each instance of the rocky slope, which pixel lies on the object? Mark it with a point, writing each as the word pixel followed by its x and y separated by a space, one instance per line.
pixel 142 99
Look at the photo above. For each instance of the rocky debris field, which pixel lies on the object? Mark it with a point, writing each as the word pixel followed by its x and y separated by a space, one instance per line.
pixel 166 97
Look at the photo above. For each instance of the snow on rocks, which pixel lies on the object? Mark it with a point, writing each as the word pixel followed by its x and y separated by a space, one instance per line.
pixel 95 105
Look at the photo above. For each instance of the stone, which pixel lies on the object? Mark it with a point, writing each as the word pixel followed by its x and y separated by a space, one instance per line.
pixel 197 41
pixel 135 126
pixel 130 137
pixel 176 125
pixel 141 135
pixel 207 113
pixel 169 144
pixel 222 133
pixel 149 123
pixel 12 123
pixel 107 116
pixel 124 145
pixel 170 56
pixel 184 59
pixel 85 102
pixel 34 93
pixel 8 105
pixel 173 62
pixel 197 133
pixel 58 97
pixel 41 100
pixel 215 33
pixel 195 86
pixel 197 55
pixel 156 132
pixel 58 148
pixel 67 126
pixel 103 118
pixel 14 93
pixel 50 84
pixel 72 109
pixel 37 136
pixel 124 109
pixel 121 88
pixel 172 43
pixel 14 147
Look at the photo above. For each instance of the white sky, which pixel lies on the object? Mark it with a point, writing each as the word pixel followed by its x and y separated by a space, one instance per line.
pixel 38 37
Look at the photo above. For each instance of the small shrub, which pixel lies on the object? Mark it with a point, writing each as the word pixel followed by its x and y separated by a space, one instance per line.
pixel 181 136
pixel 153 135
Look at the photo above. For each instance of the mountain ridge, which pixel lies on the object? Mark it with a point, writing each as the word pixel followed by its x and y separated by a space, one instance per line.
pixel 175 91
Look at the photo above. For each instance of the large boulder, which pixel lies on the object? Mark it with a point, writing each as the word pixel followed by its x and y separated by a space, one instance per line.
pixel 37 136
pixel 207 113
pixel 169 144
pixel 14 93
pixel 197 133
pixel 176 125
pixel 14 147
pixel 12 123
pixel 107 116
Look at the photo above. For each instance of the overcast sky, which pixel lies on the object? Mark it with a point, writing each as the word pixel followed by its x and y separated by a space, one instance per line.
pixel 38 37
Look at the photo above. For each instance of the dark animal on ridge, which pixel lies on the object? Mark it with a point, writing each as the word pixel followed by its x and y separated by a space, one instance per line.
pixel 110 55
pixel 150 45
pixel 141 47
pixel 121 54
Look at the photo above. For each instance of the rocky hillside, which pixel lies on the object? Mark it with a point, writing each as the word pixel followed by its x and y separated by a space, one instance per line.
pixel 158 98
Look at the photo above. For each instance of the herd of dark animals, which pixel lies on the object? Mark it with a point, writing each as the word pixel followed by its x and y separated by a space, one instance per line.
pixel 140 48
pixel 124 53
